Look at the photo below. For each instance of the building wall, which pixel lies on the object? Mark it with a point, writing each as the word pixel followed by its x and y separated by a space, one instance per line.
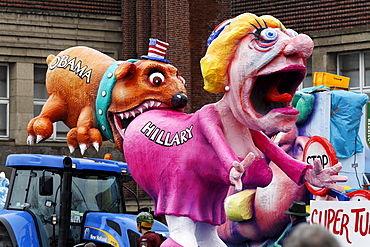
pixel 310 16
pixel 31 30
pixel 27 37
pixel 110 7
pixel 185 25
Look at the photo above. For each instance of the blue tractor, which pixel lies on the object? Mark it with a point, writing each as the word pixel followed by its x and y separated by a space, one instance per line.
pixel 63 201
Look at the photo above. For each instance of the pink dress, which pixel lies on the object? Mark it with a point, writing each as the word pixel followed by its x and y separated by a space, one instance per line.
pixel 183 162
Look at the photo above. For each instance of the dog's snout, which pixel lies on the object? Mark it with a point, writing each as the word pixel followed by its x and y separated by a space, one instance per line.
pixel 179 100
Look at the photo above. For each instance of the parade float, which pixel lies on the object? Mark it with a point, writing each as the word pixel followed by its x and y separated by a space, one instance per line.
pixel 224 175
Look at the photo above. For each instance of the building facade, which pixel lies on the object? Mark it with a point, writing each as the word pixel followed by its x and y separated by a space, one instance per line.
pixel 31 30
pixel 340 31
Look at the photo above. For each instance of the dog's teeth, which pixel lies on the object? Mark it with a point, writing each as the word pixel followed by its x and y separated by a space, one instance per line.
pixel 140 110
pixel 151 103
pixel 121 116
pixel 146 105
pixel 127 115
pixel 157 104
pixel 133 113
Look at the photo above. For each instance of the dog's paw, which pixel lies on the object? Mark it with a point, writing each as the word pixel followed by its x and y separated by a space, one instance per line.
pixel 83 138
pixel 39 129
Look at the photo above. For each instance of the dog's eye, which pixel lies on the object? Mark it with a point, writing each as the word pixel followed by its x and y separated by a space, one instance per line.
pixel 181 79
pixel 156 79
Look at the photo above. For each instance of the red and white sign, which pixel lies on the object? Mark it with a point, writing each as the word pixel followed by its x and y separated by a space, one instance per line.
pixel 348 220
pixel 319 148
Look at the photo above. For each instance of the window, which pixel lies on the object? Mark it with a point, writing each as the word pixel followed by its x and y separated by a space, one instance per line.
pixel 355 65
pixel 26 193
pixel 60 130
pixel 307 82
pixel 4 100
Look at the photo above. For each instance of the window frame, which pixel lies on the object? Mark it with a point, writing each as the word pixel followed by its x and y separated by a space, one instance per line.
pixel 41 102
pixel 361 70
pixel 5 101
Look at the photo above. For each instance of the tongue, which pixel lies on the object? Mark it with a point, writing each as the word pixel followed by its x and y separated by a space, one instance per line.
pixel 277 97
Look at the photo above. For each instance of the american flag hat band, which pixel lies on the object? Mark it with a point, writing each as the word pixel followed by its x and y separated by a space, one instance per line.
pixel 157 50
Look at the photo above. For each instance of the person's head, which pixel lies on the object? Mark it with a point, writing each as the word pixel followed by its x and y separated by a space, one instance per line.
pixel 306 235
pixel 144 221
pixel 297 210
pixel 90 244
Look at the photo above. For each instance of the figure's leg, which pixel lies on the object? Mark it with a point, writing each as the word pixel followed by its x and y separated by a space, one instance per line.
pixel 84 135
pixel 182 231
pixel 41 127
pixel 206 235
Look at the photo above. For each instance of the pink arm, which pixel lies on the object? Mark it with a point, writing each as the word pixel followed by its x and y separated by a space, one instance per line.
pixel 295 169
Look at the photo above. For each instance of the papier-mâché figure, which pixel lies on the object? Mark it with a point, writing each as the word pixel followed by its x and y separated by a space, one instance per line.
pixel 187 162
pixel 96 96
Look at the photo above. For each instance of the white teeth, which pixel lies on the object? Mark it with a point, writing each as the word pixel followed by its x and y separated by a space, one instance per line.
pixel 140 109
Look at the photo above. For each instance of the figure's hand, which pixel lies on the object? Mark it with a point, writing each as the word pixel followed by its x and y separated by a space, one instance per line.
pixel 238 170
pixel 325 178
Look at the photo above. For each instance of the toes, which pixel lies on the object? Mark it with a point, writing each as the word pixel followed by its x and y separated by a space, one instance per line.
pixel 71 149
pixel 83 148
pixel 39 138
pixel 83 138
pixel 39 129
pixel 96 146
pixel 72 140
pixel 30 140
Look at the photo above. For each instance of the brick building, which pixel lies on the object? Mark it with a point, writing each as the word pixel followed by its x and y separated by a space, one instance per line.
pixel 31 30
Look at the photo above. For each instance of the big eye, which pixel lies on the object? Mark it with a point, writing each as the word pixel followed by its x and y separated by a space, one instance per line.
pixel 156 79
pixel 268 34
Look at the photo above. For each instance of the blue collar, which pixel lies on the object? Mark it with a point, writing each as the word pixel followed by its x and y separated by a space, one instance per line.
pixel 104 99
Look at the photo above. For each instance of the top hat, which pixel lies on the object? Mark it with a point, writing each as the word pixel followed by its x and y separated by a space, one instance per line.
pixel 157 51
pixel 298 209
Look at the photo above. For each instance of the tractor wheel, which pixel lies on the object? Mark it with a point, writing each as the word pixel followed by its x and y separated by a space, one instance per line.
pixel 4 237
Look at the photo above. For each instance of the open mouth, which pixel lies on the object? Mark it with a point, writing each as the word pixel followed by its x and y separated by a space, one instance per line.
pixel 275 90
pixel 123 119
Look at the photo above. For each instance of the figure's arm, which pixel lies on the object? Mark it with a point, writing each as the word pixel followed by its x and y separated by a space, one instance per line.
pixel 238 170
pixel 325 177
pixel 295 169
pixel 212 130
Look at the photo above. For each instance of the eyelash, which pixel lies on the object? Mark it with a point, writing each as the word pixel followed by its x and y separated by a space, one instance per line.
pixel 258 30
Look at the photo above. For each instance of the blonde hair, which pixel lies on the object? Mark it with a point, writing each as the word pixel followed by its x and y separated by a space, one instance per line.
pixel 215 63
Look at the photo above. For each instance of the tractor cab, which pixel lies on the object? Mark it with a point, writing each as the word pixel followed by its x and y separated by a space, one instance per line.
pixel 70 201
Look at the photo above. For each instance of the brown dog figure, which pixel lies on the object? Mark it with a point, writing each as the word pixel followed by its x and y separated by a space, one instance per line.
pixel 96 96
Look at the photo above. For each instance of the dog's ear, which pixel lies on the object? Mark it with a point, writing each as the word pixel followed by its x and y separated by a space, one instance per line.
pixel 124 69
